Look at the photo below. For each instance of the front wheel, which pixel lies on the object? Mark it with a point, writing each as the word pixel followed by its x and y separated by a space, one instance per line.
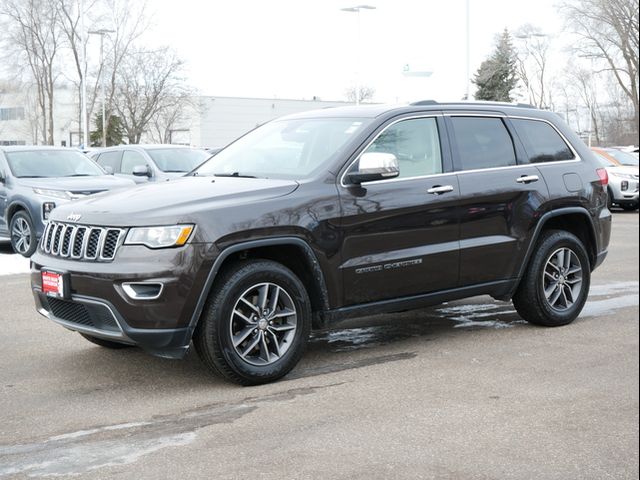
pixel 23 234
pixel 256 324
pixel 555 286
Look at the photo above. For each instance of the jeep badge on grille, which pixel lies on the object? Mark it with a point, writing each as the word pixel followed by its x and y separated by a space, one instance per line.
pixel 74 217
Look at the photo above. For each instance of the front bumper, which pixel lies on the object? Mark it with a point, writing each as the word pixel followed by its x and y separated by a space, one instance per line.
pixel 99 305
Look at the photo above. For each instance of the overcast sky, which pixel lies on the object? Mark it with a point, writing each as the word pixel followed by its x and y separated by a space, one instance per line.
pixel 306 48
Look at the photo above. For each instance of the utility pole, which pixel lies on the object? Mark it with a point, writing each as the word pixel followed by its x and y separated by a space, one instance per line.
pixel 102 32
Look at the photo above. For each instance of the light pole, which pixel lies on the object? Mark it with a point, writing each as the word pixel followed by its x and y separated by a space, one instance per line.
pixel 102 32
pixel 356 10
pixel 468 52
pixel 593 89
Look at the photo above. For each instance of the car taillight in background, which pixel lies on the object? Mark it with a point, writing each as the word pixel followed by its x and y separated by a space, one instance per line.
pixel 604 176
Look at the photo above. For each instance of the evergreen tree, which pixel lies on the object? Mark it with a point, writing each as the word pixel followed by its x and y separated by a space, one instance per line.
pixel 115 132
pixel 497 76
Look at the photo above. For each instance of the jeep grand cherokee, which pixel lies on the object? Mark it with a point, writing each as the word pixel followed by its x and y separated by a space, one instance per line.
pixel 322 216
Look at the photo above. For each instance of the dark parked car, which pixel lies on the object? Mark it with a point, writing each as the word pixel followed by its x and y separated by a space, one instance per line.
pixel 150 163
pixel 327 215
pixel 34 180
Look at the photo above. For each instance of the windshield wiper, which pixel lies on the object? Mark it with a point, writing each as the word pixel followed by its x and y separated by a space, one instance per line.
pixel 80 175
pixel 175 171
pixel 33 176
pixel 234 174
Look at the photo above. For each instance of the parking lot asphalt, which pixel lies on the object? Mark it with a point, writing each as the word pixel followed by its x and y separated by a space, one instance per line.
pixel 464 390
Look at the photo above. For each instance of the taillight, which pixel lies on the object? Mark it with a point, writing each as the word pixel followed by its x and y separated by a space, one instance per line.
pixel 604 176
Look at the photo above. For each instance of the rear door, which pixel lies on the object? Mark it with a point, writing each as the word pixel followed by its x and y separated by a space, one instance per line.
pixel 500 196
pixel 400 237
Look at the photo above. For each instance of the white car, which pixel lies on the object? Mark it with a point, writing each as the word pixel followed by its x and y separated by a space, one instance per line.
pixel 622 168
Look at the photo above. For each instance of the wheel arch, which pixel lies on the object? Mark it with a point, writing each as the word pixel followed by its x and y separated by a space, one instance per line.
pixel 292 252
pixel 575 220
pixel 14 208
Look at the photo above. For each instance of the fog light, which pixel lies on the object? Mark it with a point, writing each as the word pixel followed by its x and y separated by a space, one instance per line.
pixel 46 209
pixel 624 185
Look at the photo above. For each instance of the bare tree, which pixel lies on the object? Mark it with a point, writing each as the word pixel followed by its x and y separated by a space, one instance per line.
pixel 174 113
pixel 584 86
pixel 148 83
pixel 129 20
pixel 366 94
pixel 532 63
pixel 609 30
pixel 32 33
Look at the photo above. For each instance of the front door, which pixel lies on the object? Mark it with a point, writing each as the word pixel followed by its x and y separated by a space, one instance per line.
pixel 400 236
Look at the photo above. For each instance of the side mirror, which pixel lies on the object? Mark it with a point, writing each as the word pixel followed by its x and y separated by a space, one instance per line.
pixel 2 179
pixel 141 171
pixel 108 169
pixel 375 166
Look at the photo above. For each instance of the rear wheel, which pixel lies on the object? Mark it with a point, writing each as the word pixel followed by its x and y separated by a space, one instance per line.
pixel 555 286
pixel 256 323
pixel 23 235
pixel 105 343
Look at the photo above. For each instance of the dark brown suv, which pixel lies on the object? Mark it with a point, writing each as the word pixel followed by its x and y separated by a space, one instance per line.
pixel 327 215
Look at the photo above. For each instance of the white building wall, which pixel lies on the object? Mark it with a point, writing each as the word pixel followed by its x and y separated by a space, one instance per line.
pixel 223 119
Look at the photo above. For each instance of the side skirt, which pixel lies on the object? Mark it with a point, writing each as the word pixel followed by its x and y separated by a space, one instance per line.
pixel 498 290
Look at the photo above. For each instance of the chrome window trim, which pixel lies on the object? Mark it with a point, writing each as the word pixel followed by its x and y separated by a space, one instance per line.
pixel 519 117
pixel 412 117
pixel 564 139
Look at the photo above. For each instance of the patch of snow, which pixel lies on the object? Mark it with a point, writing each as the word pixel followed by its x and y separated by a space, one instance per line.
pixel 13 264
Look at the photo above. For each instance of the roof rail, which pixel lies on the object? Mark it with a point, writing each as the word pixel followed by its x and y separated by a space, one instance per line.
pixel 422 103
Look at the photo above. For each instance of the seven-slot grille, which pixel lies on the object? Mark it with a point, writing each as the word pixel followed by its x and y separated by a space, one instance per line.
pixel 81 242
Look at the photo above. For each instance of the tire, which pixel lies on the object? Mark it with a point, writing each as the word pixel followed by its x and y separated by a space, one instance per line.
pixel 106 343
pixel 23 234
pixel 280 335
pixel 531 300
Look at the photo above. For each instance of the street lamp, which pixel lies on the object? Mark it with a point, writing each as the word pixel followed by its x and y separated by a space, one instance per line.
pixel 593 88
pixel 356 10
pixel 102 32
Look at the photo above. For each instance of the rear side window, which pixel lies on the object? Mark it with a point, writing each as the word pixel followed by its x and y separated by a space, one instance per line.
pixel 110 159
pixel 483 142
pixel 542 142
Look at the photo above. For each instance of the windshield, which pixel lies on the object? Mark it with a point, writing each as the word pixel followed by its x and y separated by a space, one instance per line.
pixel 51 163
pixel 624 158
pixel 285 149
pixel 178 159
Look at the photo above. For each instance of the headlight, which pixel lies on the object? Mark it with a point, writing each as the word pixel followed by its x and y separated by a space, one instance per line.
pixel 160 237
pixel 628 176
pixel 53 193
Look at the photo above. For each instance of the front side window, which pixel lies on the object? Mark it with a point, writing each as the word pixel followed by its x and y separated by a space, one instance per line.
pixel 110 159
pixel 131 159
pixel 416 145
pixel 483 142
pixel 285 149
pixel 542 141
pixel 178 160
pixel 51 163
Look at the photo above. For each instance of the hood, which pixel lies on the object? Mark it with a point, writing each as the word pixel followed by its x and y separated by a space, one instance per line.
pixel 82 185
pixel 171 202
pixel 624 169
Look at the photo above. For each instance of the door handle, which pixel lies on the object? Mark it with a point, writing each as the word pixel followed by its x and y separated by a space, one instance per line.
pixel 527 179
pixel 440 189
